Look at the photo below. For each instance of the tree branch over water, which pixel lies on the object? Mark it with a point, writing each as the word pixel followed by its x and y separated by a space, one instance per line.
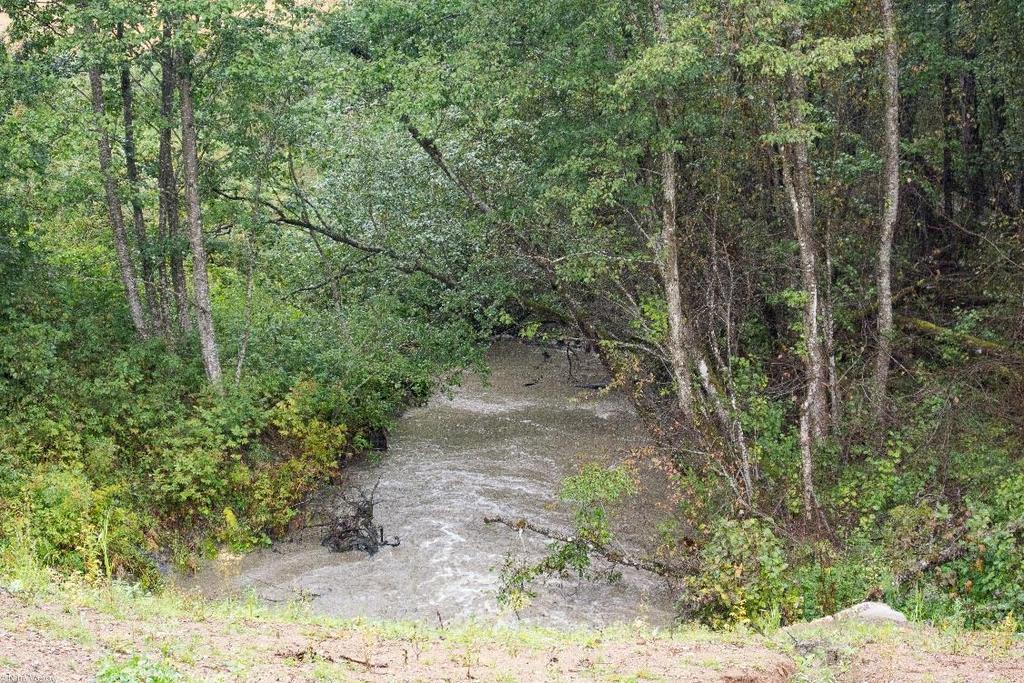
pixel 615 557
pixel 283 218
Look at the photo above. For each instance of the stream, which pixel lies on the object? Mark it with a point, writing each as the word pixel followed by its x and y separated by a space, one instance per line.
pixel 498 445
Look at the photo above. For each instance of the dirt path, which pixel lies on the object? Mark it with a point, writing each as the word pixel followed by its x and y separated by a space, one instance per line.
pixel 49 642
pixel 76 634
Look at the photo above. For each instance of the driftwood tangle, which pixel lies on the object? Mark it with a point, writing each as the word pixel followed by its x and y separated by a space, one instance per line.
pixel 353 528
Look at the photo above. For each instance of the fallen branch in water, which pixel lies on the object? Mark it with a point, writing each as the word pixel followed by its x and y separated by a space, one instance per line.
pixel 615 557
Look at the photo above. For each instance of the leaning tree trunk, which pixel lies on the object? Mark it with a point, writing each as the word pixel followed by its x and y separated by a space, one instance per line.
pixel 200 276
pixel 889 217
pixel 114 209
pixel 168 184
pixel 153 301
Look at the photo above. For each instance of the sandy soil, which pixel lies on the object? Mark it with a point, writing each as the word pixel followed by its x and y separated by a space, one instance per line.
pixel 904 663
pixel 852 652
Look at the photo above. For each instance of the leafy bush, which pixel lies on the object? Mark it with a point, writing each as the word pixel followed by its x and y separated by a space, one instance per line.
pixel 111 447
pixel 830 577
pixel 743 578
pixel 71 525
pixel 986 583
pixel 590 493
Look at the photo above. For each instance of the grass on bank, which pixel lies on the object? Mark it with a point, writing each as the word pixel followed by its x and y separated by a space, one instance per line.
pixel 57 605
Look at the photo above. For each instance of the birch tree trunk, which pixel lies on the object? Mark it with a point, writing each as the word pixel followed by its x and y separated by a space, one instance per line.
pixel 668 257
pixel 200 276
pixel 829 322
pixel 114 209
pixel 682 365
pixel 250 267
pixel 168 184
pixel 685 353
pixel 890 214
pixel 796 176
pixel 813 405
pixel 153 304
pixel 243 346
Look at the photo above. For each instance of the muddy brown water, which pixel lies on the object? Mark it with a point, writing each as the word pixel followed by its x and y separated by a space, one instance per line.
pixel 499 445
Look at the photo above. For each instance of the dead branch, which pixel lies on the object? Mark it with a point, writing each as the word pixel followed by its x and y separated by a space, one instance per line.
pixel 399 263
pixel 311 655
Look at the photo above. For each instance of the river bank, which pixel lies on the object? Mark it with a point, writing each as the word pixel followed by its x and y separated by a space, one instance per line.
pixel 69 631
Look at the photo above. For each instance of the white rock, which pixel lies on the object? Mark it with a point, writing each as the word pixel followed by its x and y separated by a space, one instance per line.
pixel 874 612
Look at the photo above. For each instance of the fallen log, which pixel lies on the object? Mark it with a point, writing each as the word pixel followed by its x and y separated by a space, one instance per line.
pixel 968 342
pixel 615 557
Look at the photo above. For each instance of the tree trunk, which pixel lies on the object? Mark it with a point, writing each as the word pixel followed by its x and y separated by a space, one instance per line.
pixel 813 406
pixel 668 257
pixel 668 262
pixel 889 216
pixel 948 132
pixel 974 162
pixel 168 184
pixel 796 175
pixel 200 276
pixel 243 346
pixel 250 267
pixel 685 353
pixel 114 209
pixel 153 304
pixel 829 326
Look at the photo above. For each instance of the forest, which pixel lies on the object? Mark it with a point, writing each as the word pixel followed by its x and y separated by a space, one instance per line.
pixel 238 238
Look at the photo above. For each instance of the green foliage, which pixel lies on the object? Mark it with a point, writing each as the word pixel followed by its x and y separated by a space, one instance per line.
pixel 136 669
pixel 111 448
pixel 517 578
pixel 743 579
pixel 774 445
pixel 590 493
pixel 385 183
pixel 988 581
pixel 830 577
